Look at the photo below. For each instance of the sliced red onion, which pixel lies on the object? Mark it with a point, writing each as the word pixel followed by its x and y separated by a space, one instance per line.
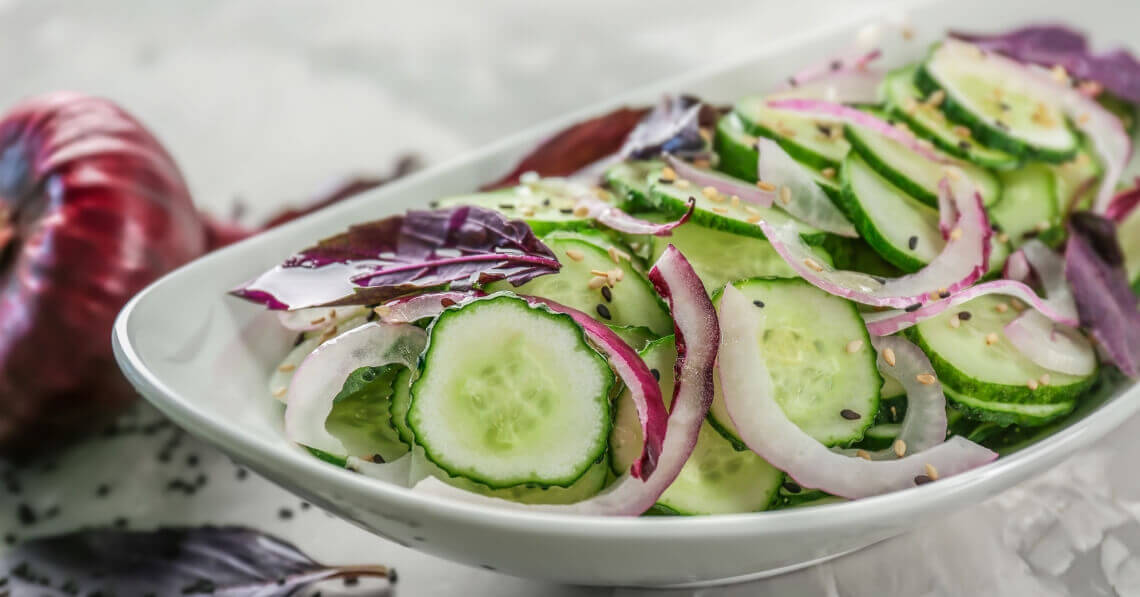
pixel 1049 266
pixel 962 261
pixel 834 111
pixel 1111 141
pixel 697 339
pixel 948 213
pixel 762 424
pixel 617 219
pixel 1017 267
pixel 321 375
pixel 806 200
pixel 422 306
pixel 1124 202
pixel 924 425
pixel 884 323
pixel 831 68
pixel 1054 347
pixel 841 80
pixel 749 193
pixel 317 318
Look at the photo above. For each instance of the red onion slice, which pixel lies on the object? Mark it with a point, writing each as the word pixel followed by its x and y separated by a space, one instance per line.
pixel 924 425
pixel 962 261
pixel 422 306
pixel 697 339
pixel 948 213
pixel 806 200
pixel 1124 202
pixel 1049 266
pixel 321 375
pixel 833 111
pixel 1054 347
pixel 832 68
pixel 317 318
pixel 617 219
pixel 762 424
pixel 727 185
pixel 885 323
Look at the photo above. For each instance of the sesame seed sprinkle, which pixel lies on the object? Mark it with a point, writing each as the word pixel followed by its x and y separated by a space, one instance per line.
pixel 965 315
pixel 1045 379
pixel 575 254
pixel 931 471
pixel 865 455
pixel 279 392
pixel 785 195
pixel 765 186
pixel 758 303
pixel 991 338
pixel 956 234
pixel 955 322
pixel 317 321
pixel 899 446
pixel 607 294
pixel 889 356
pixel 285 367
pixel 912 242
pixel 813 264
pixel 668 173
pixel 711 193
pixel 922 480
pixel 603 311
pixel 1031 384
pixel 913 308
pixel 581 211
pixel 828 172
pixel 1001 307
pixel 597 282
pixel 850 415
pixel 682 184
pixel 925 379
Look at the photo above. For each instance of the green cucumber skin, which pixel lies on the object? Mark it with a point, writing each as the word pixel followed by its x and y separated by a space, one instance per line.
pixel 633 193
pixel 960 381
pixel 676 208
pixel 982 131
pixel 740 160
pixel 727 433
pixel 885 170
pixel 800 153
pixel 854 211
pixel 1005 419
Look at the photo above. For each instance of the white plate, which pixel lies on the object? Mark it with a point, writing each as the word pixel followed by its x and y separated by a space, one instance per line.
pixel 203 357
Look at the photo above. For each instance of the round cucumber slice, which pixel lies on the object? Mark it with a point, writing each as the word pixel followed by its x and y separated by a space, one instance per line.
pixel 806 139
pixel 631 301
pixel 510 394
pixel 901 229
pixel 721 257
pixel 544 205
pixel 928 121
pixel 1028 208
pixel 997 110
pixel 627 181
pixel 975 358
pixel 821 360
pixel 738 157
pixel 360 417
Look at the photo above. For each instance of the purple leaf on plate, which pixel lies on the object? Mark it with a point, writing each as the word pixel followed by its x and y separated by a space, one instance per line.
pixel 423 250
pixel 1094 266
pixel 230 561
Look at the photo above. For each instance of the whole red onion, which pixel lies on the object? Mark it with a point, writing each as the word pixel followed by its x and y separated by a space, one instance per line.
pixel 92 209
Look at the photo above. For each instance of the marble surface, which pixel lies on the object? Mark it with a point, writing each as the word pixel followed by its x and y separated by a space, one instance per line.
pixel 267 100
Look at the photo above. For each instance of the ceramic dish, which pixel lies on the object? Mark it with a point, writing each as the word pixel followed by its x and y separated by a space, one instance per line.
pixel 202 357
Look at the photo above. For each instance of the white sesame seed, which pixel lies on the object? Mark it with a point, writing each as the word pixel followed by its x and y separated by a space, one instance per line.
pixel 682 184
pixel 1045 379
pixel 1031 384
pixel 581 211
pixel 899 447
pixel 925 379
pixel 279 392
pixel 956 234
pixel 382 310
pixel 284 367
pixel 575 254
pixel 735 201
pixel 1001 307
pixel 813 264
pixel 720 210
pixel 668 173
pixel 785 195
pixel 828 172
pixel 597 282
pixel 931 471
pixel 854 346
pixel 889 356
pixel 765 186
pixel 613 252
pixel 711 193
pixel 865 455
pixel 955 322
pixel 317 321
pixel 991 338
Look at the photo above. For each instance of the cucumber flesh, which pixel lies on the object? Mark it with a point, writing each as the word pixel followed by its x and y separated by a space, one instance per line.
pixel 510 394
pixel 627 181
pixel 808 140
pixel 1008 413
pixel 928 121
pixel 1128 233
pixel 587 486
pixel 1074 179
pixel 1028 207
pixel 999 112
pixel 361 417
pixel 717 479
pixel 816 378
pixel 632 300
pixel 738 157
pixel 545 205
pixel 910 171
pixel 901 229
pixel 992 370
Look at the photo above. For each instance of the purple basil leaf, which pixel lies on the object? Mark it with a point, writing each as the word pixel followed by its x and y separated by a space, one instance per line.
pixel 422 250
pixel 1094 267
pixel 222 561
pixel 1048 45
pixel 673 126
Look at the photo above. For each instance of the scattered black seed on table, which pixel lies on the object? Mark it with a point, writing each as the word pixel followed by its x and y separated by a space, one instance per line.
pixel 241 474
pixel 192 460
pixel 607 294
pixel 604 311
pixel 25 515
pixel 120 522
pixel 284 514
pixel 392 575
pixel 306 505
pixel 849 414
pixel 912 242
pixel 791 487
pixel 656 374
pixel 922 480
pixel 102 490
pixel 965 315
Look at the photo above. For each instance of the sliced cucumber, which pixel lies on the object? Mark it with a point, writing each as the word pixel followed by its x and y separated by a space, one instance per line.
pixel 605 239
pixel 1008 413
pixel 401 399
pixel 998 111
pixel 1075 188
pixel 632 301
pixel 1028 207
pixel 1128 234
pixel 361 417
pixel 910 171
pixel 1122 108
pixel 897 226
pixel 637 336
pixel 855 254
pixel 736 149
pixel 928 121
pixel 545 205
pixel 721 257
pixel 806 139
pixel 977 360
pixel 627 181
pixel 807 342
pixel 880 436
pixel 722 213
pixel 510 394
pixel 717 479
pixel 587 486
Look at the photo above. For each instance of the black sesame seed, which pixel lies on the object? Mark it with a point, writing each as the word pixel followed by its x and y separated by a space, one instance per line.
pixel 914 307
pixel 433 204
pixel 566 211
pixel 792 81
pixel 995 226
pixel 1030 234
pixel 10 539
pixel 836 65
pixel 607 294
pixel 664 181
pixel 879 279
pixel 944 294
pixel 506 206
pixel 758 303
pixel 1001 125
pixel 791 487
pixel 965 315
pixel 378 459
pixel 912 242
pixel 964 145
pixel 306 505
pixel 351 581
pixel 656 374
pixel 392 577
pixel 284 514
pixel 51 512
pixel 823 128
pixel 200 480
pixel 546 202
pixel 922 480
pixel 1004 107
pixel 604 311
pixel 26 515
pixel 849 414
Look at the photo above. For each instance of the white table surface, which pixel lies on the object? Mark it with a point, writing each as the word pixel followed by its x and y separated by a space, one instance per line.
pixel 268 100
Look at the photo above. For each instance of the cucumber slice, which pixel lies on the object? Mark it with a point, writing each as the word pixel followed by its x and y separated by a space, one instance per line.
pixel 1128 234
pixel 880 436
pixel 627 181
pixel 360 417
pixel 545 205
pixel 722 214
pixel 632 300
pixel 928 121
pixel 815 377
pixel 855 254
pixel 587 486
pixel 1028 207
pixel 807 139
pixel 717 479
pixel 510 394
pixel 910 171
pixel 637 336
pixel 901 229
pixel 738 157
pixel 604 239
pixel 977 360
pixel 997 110
pixel 721 257
pixel 1074 191
pixel 401 399
pixel 1008 413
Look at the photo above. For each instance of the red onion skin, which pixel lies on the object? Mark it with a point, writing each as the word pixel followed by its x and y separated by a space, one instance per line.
pixel 96 209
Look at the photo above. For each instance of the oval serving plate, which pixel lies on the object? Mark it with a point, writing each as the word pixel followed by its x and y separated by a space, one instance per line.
pixel 203 357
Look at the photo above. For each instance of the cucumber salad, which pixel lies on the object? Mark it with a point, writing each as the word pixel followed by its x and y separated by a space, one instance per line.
pixel 873 277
